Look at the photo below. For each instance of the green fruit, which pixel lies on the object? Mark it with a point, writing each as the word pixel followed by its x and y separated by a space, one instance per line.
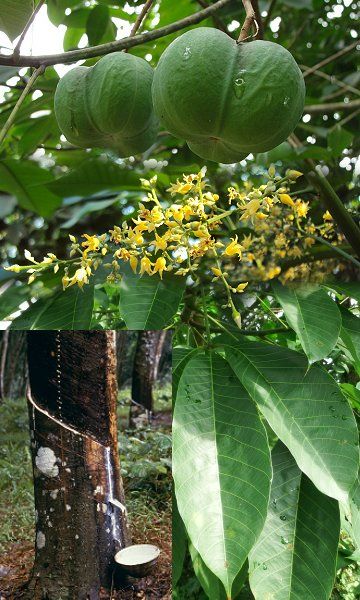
pixel 227 99
pixel 108 105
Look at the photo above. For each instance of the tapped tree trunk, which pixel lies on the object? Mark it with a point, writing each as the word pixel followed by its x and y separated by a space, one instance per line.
pixel 81 517
pixel 146 364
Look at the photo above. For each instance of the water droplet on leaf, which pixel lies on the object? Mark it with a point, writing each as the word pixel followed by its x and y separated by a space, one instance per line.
pixel 283 517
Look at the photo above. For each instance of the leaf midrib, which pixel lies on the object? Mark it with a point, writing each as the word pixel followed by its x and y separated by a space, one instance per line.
pixel 284 406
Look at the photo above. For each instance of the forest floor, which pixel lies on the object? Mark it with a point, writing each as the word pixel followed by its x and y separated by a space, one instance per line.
pixel 145 455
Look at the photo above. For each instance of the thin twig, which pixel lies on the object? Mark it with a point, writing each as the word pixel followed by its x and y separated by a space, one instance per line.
pixel 145 9
pixel 338 250
pixel 115 46
pixel 331 106
pixel 334 80
pixel 142 15
pixel 26 28
pixel 346 119
pixel 249 23
pixel 329 59
pixel 18 104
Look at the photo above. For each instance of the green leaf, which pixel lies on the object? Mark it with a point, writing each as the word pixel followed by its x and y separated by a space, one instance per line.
pixel 354 501
pixel 148 302
pixel 339 139
pixel 78 212
pixel 26 181
pixel 180 357
pixel 351 289
pixel 221 465
pixel 313 315
pixel 350 335
pixel 295 556
pixel 11 298
pixel 97 23
pixel 71 309
pixel 72 38
pixel 299 4
pixel 14 15
pixel 305 408
pixel 7 72
pixel 38 131
pixel 211 585
pixel 95 176
pixel 179 543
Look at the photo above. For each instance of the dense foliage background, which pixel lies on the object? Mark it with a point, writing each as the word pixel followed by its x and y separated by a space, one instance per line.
pixel 49 188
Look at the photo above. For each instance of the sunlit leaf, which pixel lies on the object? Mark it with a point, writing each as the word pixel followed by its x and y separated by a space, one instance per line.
pixel 295 556
pixel 305 408
pixel 221 465
pixel 14 15
pixel 313 315
pixel 64 310
pixel 149 302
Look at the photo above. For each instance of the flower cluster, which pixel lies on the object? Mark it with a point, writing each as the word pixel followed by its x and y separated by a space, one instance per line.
pixel 174 234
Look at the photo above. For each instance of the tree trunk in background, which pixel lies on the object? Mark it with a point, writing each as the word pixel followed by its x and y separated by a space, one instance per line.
pixel 13 370
pixel 146 364
pixel 80 514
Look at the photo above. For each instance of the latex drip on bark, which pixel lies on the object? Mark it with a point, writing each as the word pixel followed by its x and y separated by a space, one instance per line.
pixel 80 508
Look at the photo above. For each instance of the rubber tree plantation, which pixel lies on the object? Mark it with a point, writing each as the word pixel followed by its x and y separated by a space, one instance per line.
pixel 194 167
pixel 74 452
pixel 83 526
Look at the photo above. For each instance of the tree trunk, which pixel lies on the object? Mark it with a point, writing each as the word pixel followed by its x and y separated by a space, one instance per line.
pixel 80 513
pixel 146 364
pixel 13 371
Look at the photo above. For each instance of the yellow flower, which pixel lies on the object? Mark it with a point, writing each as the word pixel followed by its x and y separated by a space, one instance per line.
pixel 134 237
pixel 160 266
pixel 250 209
pixel 233 248
pixel 92 243
pixel 116 234
pixel 145 265
pixel 241 287
pixel 309 242
pixel 13 268
pixel 293 175
pixel 327 216
pixel 188 211
pixel 160 242
pixel 177 212
pixel 273 272
pixel 232 193
pixel 180 188
pixel 301 208
pixel 81 276
pixel 133 262
pixel 140 226
pixel 246 241
pixel 286 199
pixel 216 271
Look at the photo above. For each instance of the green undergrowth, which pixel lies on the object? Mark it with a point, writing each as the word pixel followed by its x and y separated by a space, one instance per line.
pixel 145 456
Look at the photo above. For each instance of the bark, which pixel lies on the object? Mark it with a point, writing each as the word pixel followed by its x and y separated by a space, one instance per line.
pixel 145 370
pixel 13 371
pixel 81 518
